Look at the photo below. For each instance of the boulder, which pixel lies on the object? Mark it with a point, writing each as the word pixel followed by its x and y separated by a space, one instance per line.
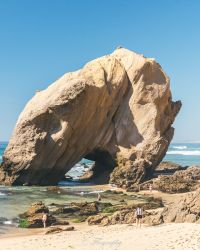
pixel 61 222
pixel 179 182
pixel 78 208
pixel 186 209
pixel 96 219
pixel 54 230
pixel 86 208
pixel 33 216
pixel 167 167
pixel 37 207
pixel 86 176
pixel 35 220
pixel 191 173
pixel 153 217
pixel 117 110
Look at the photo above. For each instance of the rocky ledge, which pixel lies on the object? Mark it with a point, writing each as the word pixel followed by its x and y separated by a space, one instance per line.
pixel 117 111
pixel 59 217
pixel 172 178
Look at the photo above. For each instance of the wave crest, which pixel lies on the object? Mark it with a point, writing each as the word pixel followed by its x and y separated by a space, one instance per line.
pixel 187 152
pixel 180 147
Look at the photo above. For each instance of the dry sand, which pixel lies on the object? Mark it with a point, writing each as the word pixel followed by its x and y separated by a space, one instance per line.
pixel 122 237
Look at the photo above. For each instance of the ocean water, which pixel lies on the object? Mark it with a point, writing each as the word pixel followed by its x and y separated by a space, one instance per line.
pixel 186 154
pixel 2 148
pixel 15 200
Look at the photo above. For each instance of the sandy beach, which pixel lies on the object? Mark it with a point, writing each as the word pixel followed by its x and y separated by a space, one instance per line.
pixel 168 236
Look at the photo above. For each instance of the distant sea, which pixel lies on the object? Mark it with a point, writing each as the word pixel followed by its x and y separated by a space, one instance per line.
pixel 185 154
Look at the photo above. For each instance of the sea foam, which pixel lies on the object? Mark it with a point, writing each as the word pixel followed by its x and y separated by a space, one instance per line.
pixel 186 152
pixel 180 147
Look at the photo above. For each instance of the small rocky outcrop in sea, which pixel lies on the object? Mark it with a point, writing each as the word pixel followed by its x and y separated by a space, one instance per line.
pixel 33 217
pixel 182 180
pixel 117 111
pixel 168 167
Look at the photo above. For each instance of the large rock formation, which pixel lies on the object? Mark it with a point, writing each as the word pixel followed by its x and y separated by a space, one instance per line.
pixel 117 110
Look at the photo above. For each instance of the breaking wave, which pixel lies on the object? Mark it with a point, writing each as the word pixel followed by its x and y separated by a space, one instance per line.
pixel 180 147
pixel 186 152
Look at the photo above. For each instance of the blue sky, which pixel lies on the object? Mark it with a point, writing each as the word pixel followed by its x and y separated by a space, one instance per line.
pixel 42 39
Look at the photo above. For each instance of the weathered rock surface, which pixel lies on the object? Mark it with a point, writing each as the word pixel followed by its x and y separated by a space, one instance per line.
pixel 185 210
pixel 154 217
pixel 167 167
pixel 125 214
pixel 34 215
pixel 181 181
pixel 54 230
pixel 117 110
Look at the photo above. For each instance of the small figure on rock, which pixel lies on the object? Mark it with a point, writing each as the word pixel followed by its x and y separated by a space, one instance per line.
pixel 99 197
pixel 150 188
pixel 138 215
pixel 44 219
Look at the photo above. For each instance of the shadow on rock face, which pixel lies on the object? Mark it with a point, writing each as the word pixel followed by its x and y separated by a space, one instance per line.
pixel 115 106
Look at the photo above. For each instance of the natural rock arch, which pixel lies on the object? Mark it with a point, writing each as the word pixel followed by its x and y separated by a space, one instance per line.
pixel 119 104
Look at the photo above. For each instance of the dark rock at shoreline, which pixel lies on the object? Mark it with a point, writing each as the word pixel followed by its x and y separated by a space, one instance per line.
pixel 33 216
pixel 54 189
pixel 119 217
pixel 37 207
pixel 182 180
pixel 167 167
pixel 86 177
pixel 86 208
pixel 95 220
pixel 75 208
pixel 54 230
pixel 60 222
pixel 35 221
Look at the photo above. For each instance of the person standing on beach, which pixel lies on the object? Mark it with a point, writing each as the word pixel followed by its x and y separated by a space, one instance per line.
pixel 44 219
pixel 138 215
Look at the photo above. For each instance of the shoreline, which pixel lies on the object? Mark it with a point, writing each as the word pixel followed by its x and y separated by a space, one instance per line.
pixel 167 236
pixel 13 232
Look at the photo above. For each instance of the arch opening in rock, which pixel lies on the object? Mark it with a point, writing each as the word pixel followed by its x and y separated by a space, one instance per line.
pixel 74 175
pixel 94 168
pixel 103 166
